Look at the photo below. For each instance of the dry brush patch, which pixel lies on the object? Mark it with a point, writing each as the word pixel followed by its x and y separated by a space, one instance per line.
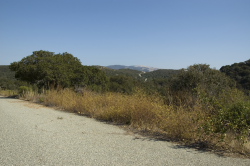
pixel 144 113
pixel 139 111
pixel 8 93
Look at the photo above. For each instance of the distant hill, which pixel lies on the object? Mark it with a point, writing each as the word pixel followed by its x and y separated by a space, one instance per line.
pixel 137 74
pixel 6 73
pixel 136 67
pixel 240 72
pixel 156 74
pixel 127 72
pixel 159 74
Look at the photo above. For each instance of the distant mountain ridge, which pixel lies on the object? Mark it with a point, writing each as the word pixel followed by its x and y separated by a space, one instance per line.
pixel 134 67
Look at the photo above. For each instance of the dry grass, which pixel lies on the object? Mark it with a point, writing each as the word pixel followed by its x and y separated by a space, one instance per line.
pixel 8 92
pixel 235 145
pixel 140 111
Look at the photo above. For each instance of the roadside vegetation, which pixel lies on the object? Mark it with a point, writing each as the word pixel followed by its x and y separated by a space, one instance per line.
pixel 197 106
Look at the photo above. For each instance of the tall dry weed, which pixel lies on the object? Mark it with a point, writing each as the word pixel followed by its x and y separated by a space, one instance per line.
pixel 30 96
pixel 141 111
pixel 8 92
pixel 64 99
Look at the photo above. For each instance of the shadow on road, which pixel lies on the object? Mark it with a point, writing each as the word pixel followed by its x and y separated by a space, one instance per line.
pixel 13 96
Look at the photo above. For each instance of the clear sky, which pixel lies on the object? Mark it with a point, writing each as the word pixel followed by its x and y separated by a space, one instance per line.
pixel 169 34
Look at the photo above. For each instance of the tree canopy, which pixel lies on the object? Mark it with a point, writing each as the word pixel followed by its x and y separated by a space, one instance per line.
pixel 159 74
pixel 122 84
pixel 240 72
pixel 47 69
pixel 202 76
pixel 6 73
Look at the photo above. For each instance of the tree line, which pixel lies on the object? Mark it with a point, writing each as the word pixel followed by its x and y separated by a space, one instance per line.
pixel 240 72
pixel 52 71
pixel 48 70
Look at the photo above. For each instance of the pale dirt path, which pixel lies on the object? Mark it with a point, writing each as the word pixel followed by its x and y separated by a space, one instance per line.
pixel 35 135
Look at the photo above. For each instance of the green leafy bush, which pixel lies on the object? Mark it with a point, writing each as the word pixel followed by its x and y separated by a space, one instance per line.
pixel 122 84
pixel 23 89
pixel 235 119
pixel 55 71
pixel 183 86
pixel 240 72
pixel 201 75
pixel 227 113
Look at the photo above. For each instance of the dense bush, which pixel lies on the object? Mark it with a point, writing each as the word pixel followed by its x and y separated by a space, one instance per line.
pixel 122 84
pixel 6 83
pixel 235 119
pixel 49 70
pixel 95 79
pixel 183 86
pixel 159 74
pixel 227 113
pixel 24 89
pixel 12 84
pixel 224 109
pixel 6 73
pixel 240 72
pixel 201 75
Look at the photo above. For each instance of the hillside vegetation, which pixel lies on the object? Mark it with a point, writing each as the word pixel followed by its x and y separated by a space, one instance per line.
pixel 139 75
pixel 159 74
pixel 197 105
pixel 125 72
pixel 7 79
pixel 240 72
pixel 134 67
pixel 5 72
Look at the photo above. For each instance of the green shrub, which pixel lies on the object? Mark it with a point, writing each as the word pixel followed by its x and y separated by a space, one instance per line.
pixel 23 89
pixel 227 113
pixel 202 76
pixel 41 99
pixel 122 84
pixel 240 72
pixel 184 85
pixel 235 119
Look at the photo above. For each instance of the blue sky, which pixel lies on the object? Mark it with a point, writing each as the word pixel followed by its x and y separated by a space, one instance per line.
pixel 158 33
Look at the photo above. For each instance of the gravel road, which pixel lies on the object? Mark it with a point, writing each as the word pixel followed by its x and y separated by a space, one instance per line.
pixel 31 134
